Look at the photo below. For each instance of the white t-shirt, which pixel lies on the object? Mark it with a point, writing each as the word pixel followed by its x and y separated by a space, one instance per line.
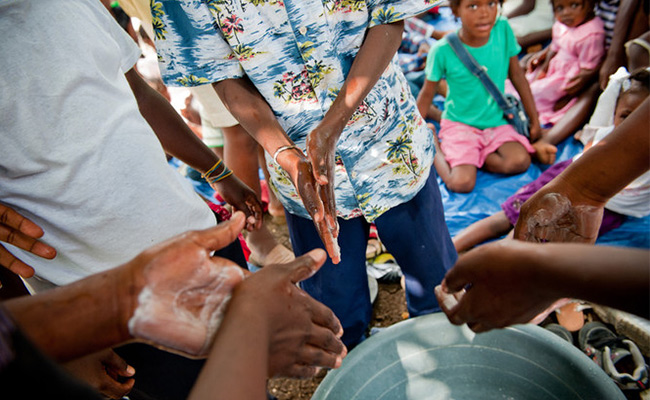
pixel 76 156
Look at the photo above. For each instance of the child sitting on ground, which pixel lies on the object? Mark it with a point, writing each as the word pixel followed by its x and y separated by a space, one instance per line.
pixel 474 132
pixel 556 74
pixel 634 200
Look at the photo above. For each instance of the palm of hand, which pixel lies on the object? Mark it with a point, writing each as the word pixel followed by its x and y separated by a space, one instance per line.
pixel 184 297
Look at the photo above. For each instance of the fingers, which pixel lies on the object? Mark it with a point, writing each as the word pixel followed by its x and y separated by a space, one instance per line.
pixel 325 341
pixel 317 357
pixel 12 219
pixel 323 316
pixel 329 204
pixel 115 389
pixel 218 237
pixel 455 279
pixel 331 246
pixel 15 265
pixel 306 265
pixel 254 220
pixel 20 239
pixel 301 371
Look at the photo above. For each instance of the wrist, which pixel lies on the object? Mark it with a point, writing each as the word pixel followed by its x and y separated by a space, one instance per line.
pixel 290 159
pixel 128 283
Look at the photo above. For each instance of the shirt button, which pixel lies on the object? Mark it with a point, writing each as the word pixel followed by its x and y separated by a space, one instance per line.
pixel 302 30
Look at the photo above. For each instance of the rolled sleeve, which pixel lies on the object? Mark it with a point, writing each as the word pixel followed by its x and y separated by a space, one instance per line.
pixel 389 11
pixel 191 49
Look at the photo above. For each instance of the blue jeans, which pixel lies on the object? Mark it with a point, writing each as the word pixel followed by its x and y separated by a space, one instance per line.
pixel 415 233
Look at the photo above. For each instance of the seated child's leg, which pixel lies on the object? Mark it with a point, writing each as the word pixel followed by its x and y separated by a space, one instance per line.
pixel 458 155
pixel 505 151
pixel 492 227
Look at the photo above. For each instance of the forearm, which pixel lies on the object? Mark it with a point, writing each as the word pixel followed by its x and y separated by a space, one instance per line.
pixel 175 136
pixel 239 350
pixel 378 48
pixel 614 162
pixel 624 19
pixel 255 115
pixel 78 319
pixel 520 83
pixel 425 97
pixel 524 8
pixel 615 277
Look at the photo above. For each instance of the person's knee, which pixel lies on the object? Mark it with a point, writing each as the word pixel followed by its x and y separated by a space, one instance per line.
pixel 461 183
pixel 517 163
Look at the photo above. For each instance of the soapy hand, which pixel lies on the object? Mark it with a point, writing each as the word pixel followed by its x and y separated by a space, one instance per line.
pixel 321 151
pixel 184 290
pixel 551 217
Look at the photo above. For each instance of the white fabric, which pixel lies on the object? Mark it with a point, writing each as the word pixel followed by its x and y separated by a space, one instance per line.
pixel 603 115
pixel 539 19
pixel 76 157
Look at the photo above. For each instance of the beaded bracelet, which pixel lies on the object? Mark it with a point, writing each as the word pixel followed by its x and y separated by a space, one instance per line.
pixel 223 175
pixel 280 150
pixel 211 170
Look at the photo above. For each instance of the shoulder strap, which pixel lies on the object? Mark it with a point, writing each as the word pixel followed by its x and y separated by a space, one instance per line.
pixel 477 70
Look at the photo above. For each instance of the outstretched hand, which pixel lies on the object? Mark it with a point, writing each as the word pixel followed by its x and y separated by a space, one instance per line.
pixel 320 204
pixel 494 286
pixel 19 231
pixel 304 335
pixel 184 290
pixel 242 198
pixel 321 152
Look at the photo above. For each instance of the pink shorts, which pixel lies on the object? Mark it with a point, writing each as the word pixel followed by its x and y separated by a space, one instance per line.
pixel 464 144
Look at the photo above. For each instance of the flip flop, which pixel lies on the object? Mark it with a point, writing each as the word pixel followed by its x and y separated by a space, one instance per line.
pixel 571 316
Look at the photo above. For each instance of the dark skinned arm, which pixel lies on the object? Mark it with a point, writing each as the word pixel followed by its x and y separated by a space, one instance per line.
pixel 518 79
pixel 178 140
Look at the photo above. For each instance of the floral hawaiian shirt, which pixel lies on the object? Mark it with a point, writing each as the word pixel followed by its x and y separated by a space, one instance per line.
pixel 298 54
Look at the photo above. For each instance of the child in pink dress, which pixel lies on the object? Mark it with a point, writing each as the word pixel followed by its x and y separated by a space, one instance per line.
pixel 576 50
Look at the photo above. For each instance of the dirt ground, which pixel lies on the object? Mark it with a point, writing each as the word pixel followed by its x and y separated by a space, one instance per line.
pixel 389 308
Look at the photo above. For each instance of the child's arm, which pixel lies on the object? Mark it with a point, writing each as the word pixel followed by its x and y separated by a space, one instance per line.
pixel 576 84
pixel 178 140
pixel 540 60
pixel 520 83
pixel 491 227
pixel 425 97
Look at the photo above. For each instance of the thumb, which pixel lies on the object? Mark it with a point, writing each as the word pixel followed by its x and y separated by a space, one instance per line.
pixel 306 265
pixel 223 234
pixel 455 278
pixel 115 363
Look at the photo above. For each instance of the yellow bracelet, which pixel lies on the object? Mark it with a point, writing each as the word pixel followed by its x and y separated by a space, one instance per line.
pixel 223 175
pixel 211 170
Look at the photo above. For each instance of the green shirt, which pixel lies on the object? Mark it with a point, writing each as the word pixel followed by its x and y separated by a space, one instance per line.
pixel 467 100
